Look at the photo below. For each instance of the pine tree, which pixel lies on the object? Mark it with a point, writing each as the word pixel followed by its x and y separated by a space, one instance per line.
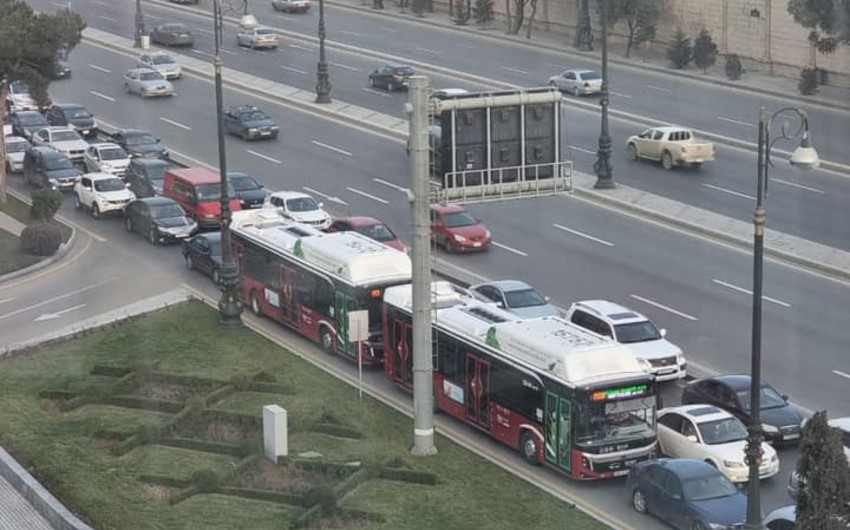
pixel 679 51
pixel 462 12
pixel 734 68
pixel 705 51
pixel 482 12
pixel 824 496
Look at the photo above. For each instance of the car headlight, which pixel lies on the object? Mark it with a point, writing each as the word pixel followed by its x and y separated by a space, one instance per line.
pixel 459 238
pixel 252 130
pixel 53 182
pixel 733 463
pixel 769 428
pixel 274 128
pixel 487 234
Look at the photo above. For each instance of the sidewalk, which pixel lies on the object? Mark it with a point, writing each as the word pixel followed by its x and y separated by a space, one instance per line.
pixel 11 225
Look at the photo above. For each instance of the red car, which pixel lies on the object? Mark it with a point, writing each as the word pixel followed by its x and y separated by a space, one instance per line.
pixel 369 227
pixel 455 229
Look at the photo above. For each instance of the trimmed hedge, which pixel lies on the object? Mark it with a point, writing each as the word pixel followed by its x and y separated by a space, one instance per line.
pixel 307 518
pixel 110 370
pixel 332 468
pixel 218 394
pixel 143 403
pixel 409 475
pixel 203 445
pixel 340 431
pixel 269 388
pixel 351 482
pixel 263 495
pixel 183 494
pixel 41 239
pixel 112 434
pixel 162 480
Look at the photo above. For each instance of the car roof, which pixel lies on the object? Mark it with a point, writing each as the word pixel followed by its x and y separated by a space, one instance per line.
pixel 670 128
pixel 101 145
pixel 126 132
pixel 735 382
pixel 16 139
pixel 700 413
pixel 99 175
pixel 66 106
pixel 447 208
pixel 612 311
pixel 506 285
pixel 145 69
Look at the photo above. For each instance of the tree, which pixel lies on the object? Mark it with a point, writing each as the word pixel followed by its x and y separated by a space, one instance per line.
pixel 462 13
pixel 641 18
pixel 515 23
pixel 828 20
pixel 31 45
pixel 482 12
pixel 679 51
pixel 822 499
pixel 705 51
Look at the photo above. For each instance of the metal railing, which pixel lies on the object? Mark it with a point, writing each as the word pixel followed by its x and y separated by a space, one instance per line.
pixel 496 184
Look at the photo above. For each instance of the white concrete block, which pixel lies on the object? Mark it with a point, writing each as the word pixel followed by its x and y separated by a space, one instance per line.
pixel 275 432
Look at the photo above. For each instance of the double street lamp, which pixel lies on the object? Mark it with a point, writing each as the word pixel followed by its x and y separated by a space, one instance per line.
pixel 804 157
pixel 323 84
pixel 602 167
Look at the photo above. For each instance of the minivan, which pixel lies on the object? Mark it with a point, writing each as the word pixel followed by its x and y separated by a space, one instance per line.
pixel 46 167
pixel 198 191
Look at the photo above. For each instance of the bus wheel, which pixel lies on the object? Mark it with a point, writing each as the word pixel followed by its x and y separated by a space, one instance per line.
pixel 528 448
pixel 255 304
pixel 326 339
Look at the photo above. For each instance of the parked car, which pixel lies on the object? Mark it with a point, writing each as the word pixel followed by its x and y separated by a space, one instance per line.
pixel 843 425
pixel 19 98
pixel 25 122
pixel 101 193
pixel 139 143
pixel 291 6
pixel 172 34
pixel 686 494
pixel 673 146
pixel 784 518
pixel 369 227
pixel 708 433
pixel 202 252
pixel 160 219
pixel 147 82
pixel 517 297
pixel 162 63
pixel 299 207
pixel 391 77
pixel 258 37
pixel 74 115
pixel 456 230
pixel 16 146
pixel 107 157
pixel 781 422
pixel 249 123
pixel 46 167
pixel 145 176
pixel 64 139
pixel 627 326
pixel 185 1
pixel 251 193
pixel 577 82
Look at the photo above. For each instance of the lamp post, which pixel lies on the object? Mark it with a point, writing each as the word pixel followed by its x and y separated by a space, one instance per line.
pixel 323 85
pixel 140 25
pixel 804 157
pixel 584 33
pixel 602 167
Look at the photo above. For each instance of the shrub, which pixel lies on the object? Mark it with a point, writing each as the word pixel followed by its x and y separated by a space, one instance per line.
pixel 705 51
pixel 45 204
pixel 207 480
pixel 482 12
pixel 323 496
pixel 679 51
pixel 461 14
pixel 808 84
pixel 734 69
pixel 42 239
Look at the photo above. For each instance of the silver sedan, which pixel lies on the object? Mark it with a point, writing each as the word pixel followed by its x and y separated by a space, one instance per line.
pixel 147 83
pixel 258 37
pixel 516 297
pixel 577 82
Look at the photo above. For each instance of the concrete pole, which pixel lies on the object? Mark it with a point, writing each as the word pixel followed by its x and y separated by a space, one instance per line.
pixel 423 381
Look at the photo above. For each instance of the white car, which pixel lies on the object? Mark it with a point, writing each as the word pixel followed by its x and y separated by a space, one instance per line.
pixel 162 63
pixel 577 82
pixel 258 37
pixel 147 82
pixel 638 332
pixel 16 146
pixel 101 193
pixel 19 97
pixel 299 207
pixel 64 139
pixel 107 157
pixel 711 434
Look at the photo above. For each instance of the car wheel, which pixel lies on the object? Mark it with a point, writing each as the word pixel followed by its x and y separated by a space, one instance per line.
pixel 326 339
pixel 528 448
pixel 128 224
pixel 95 211
pixel 696 165
pixel 449 246
pixel 152 235
pixel 633 154
pixel 190 263
pixel 78 204
pixel 698 525
pixel 667 160
pixel 256 308
pixel 216 276
pixel 639 501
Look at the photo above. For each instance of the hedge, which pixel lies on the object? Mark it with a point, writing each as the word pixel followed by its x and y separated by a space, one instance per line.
pixel 57 394
pixel 163 480
pixel 110 370
pixel 263 495
pixel 351 482
pixel 340 431
pixel 203 445
pixel 145 403
pixel 409 475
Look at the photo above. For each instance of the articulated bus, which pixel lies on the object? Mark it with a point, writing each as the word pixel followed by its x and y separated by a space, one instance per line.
pixel 310 280
pixel 562 396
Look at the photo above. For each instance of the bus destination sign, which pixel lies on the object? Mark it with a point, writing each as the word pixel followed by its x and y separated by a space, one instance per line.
pixel 614 394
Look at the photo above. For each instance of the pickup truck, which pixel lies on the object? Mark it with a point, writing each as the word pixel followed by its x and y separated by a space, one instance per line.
pixel 673 146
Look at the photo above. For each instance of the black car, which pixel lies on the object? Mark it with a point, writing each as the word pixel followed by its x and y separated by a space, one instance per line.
pixel 250 192
pixel 172 34
pixel 160 219
pixel 146 175
pixel 249 123
pixel 391 77
pixel 139 143
pixel 780 421
pixel 203 253
pixel 46 167
pixel 26 122
pixel 63 71
pixel 74 115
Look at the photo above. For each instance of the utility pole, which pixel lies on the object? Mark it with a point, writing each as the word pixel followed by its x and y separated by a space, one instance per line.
pixel 423 378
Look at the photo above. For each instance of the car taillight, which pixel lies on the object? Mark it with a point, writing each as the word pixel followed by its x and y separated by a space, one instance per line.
pixel 396 77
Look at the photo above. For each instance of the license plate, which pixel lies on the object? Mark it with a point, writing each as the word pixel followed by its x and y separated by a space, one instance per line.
pixel 476 244
pixel 265 133
pixel 621 473
pixel 790 436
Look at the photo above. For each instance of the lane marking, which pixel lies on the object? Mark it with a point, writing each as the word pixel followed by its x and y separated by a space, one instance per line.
pixel 795 185
pixel 201 52
pixel 467 46
pixel 100 68
pixel 730 192
pixel 513 70
pixel 736 122
pixel 582 234
pixel 619 95
pixel 291 69
pixel 298 47
pixel 152 17
pixel 55 298
pixel 222 50
pixel 842 374
pixel 204 30
pixel 176 124
pixel 384 28
pixel 102 96
pixel 426 50
pixel 509 249
pixel 664 307
pixel 742 290
pixel 367 195
pixel 53 316
pixel 352 33
pixel 581 149
pixel 264 157
pixel 104 4
pixel 391 185
pixel 373 91
pixel 332 148
pixel 3 301
pixel 104 17
pixel 658 88
pixel 344 66
pixel 325 196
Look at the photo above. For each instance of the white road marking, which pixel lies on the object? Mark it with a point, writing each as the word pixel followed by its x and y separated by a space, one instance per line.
pixel 102 96
pixel 842 374
pixel 104 17
pixel 353 34
pixel 344 66
pixel 3 301
pixel 325 195
pixel 264 157
pixel 201 52
pixel 426 50
pixel 296 70
pixel 375 92
pixel 107 5
pixel 513 70
pixel 581 149
pixel 222 50
pixel 152 17
pixel 176 124
pixel 332 148
pixel 795 185
pixel 619 95
pixel 297 47
pixel 60 4
pixel 664 307
pixel 582 234
pixel 730 192
pixel 467 46
pixel 658 88
pixel 509 249
pixel 742 290
pixel 384 28
pixel 55 298
pixel 367 195
pixel 736 122
pixel 391 185
pixel 53 316
pixel 100 69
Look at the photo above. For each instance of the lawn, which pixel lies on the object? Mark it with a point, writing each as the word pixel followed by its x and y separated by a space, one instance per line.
pixel 12 258
pixel 62 450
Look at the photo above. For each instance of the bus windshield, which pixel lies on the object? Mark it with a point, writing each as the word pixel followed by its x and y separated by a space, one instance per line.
pixel 616 422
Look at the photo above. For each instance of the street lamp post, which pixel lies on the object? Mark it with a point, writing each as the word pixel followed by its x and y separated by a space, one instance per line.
pixel 804 157
pixel 140 25
pixel 323 84
pixel 602 167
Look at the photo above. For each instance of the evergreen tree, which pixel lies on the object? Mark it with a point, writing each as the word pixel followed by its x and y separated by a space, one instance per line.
pixel 482 12
pixel 823 500
pixel 462 12
pixel 679 51
pixel 734 68
pixel 705 51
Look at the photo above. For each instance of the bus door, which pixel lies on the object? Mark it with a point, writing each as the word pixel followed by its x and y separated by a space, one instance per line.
pixel 342 303
pixel 402 352
pixel 289 311
pixel 478 390
pixel 557 431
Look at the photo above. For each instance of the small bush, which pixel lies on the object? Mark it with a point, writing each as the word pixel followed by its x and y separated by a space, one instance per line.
pixel 207 480
pixel 734 68
pixel 461 14
pixel 679 50
pixel 45 204
pixel 482 12
pixel 323 496
pixel 149 434
pixel 41 239
pixel 808 84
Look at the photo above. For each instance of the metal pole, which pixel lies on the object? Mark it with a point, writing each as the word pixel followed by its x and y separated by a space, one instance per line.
pixel 602 167
pixel 140 25
pixel 323 84
pixel 584 33
pixel 423 379
pixel 229 305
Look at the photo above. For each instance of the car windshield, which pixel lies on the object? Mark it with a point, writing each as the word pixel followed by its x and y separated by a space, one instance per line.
pixel 115 184
pixel 524 298
pixel 164 211
pixel 589 76
pixel 708 487
pixel 177 28
pixel 378 232
pixel 254 116
pixel 243 183
pixel 150 76
pixel 770 398
pixel 459 219
pixel 616 422
pixel 637 332
pixel 210 192
pixel 163 59
pixel 302 204
pixel 32 119
pixel 113 153
pixel 16 146
pixel 77 112
pixel 722 431
pixel 55 163
pixel 19 87
pixel 265 31
pixel 65 136
pixel 140 139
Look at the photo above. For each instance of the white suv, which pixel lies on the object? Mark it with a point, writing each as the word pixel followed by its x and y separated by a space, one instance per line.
pixel 299 207
pixel 64 139
pixel 101 193
pixel 638 332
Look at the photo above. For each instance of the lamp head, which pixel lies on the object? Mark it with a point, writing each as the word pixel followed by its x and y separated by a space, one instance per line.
pixel 805 156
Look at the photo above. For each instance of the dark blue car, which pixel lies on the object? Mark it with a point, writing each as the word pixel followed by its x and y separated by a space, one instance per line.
pixel 203 253
pixel 687 494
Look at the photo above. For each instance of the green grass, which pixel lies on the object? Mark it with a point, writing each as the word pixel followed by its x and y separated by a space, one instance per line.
pixel 106 491
pixel 12 258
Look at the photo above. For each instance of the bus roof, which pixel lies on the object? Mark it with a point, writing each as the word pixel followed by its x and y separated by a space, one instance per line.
pixel 350 256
